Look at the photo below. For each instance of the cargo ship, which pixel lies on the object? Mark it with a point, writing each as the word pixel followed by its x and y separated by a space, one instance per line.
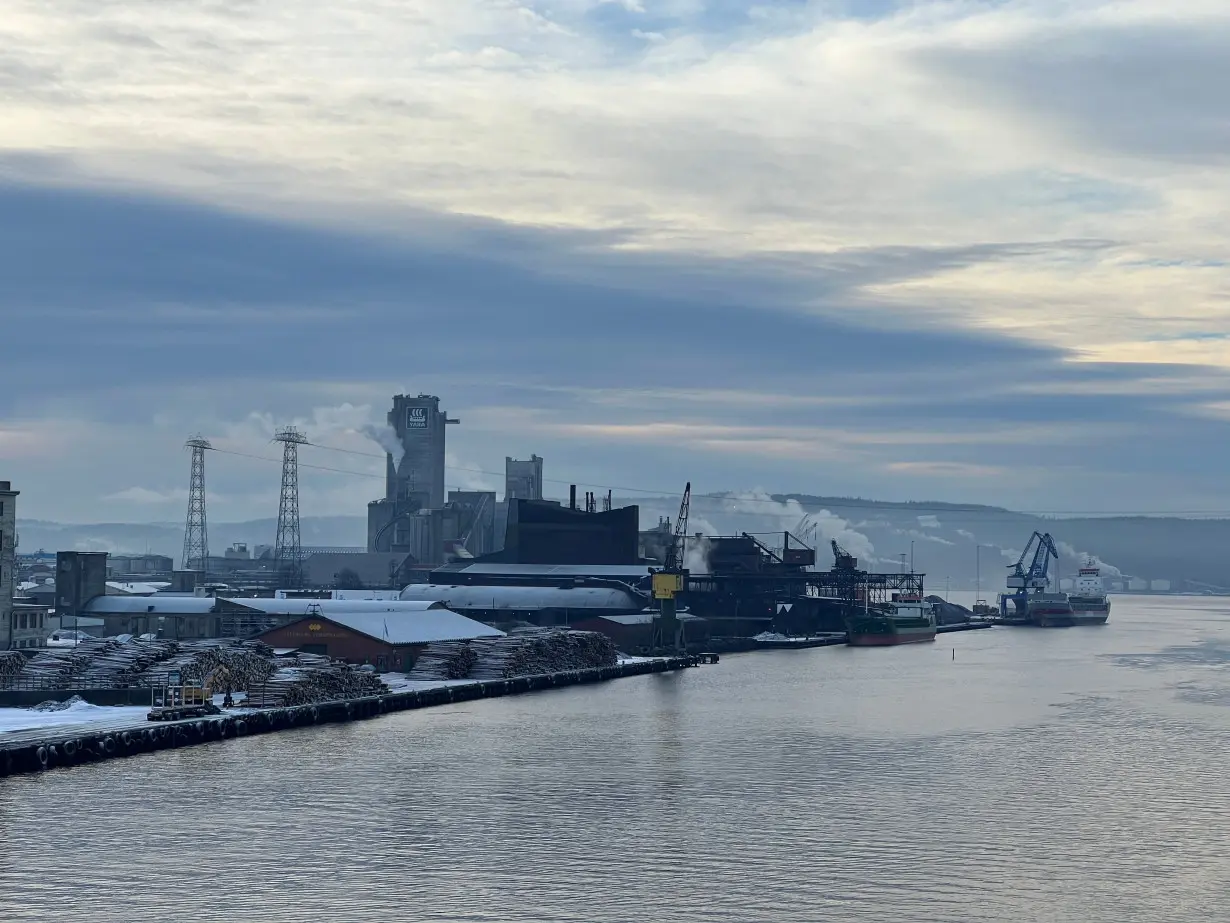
pixel 903 621
pixel 1090 605
pixel 1050 610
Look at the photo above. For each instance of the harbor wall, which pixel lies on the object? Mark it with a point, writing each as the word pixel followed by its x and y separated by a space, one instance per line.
pixel 25 698
pixel 49 748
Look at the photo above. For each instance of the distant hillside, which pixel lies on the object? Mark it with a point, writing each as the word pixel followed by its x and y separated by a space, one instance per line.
pixel 168 538
pixel 948 540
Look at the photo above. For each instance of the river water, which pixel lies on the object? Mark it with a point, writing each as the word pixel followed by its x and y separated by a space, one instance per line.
pixel 1004 775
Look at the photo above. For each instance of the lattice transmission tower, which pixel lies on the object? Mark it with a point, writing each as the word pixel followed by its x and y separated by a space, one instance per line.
pixel 287 550
pixel 196 536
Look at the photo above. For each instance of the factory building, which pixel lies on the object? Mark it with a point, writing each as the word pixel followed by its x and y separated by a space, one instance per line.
pixel 191 618
pixel 543 532
pixel 376 569
pixel 414 480
pixel 536 605
pixel 376 639
pixel 523 479
pixel 8 562
pixel 134 565
pixel 633 633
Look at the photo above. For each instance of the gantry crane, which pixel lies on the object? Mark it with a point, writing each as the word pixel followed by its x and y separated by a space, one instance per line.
pixel 670 580
pixel 1032 579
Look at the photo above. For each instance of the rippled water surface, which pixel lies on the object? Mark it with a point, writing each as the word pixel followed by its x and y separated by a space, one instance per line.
pixel 1059 775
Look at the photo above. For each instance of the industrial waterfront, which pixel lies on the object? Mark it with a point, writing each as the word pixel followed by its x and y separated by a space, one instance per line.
pixel 1065 776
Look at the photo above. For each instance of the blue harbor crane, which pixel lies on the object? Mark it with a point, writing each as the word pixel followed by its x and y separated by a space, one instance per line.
pixel 1023 581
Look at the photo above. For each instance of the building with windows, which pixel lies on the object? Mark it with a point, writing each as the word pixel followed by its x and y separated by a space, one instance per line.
pixel 387 642
pixel 523 479
pixel 8 562
pixel 414 470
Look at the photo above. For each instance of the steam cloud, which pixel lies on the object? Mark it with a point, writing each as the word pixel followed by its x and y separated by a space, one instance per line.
pixel 792 517
pixel 1108 570
pixel 386 437
pixel 696 558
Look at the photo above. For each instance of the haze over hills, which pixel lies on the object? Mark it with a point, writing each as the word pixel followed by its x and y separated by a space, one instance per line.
pixel 950 542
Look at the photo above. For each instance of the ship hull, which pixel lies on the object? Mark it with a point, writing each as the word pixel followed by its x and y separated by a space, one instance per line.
pixel 1090 611
pixel 1051 610
pixel 883 632
pixel 886 640
pixel 1052 619
pixel 1090 618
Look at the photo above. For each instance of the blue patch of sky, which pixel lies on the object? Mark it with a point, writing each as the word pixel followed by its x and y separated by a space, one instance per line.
pixel 1047 189
pixel 627 31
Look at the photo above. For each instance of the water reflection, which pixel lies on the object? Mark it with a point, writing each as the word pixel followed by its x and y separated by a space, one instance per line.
pixel 1069 775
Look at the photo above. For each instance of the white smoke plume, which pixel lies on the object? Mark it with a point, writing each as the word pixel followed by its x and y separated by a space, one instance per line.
pixel 1108 570
pixel 386 437
pixel 696 556
pixel 792 517
pixel 929 522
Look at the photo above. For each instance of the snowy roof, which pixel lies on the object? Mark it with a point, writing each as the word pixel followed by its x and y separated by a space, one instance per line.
pixel 525 598
pixel 550 570
pixel 645 618
pixel 161 604
pixel 150 605
pixel 136 589
pixel 331 607
pixel 419 627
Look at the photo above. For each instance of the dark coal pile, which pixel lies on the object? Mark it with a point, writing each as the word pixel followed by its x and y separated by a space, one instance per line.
pixel 947 613
pixel 521 654
pixel 301 679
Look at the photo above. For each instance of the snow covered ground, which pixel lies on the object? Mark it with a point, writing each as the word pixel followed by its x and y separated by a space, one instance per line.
pixel 398 682
pixel 25 719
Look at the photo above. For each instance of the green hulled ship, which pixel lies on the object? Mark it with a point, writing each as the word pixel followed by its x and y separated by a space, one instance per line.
pixel 898 622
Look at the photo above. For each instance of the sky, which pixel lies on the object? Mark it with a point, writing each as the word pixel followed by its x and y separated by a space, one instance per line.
pixel 961 250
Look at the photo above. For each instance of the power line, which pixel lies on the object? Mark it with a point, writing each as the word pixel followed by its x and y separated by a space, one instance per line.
pixel 878 507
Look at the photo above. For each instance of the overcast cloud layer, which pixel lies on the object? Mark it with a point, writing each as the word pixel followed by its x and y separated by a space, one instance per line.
pixel 953 250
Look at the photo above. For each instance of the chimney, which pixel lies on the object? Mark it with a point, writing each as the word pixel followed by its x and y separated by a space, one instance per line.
pixel 572 496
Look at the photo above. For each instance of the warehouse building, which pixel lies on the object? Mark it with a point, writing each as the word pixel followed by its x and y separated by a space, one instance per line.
pixel 387 642
pixel 191 618
pixel 633 634
pixel 537 605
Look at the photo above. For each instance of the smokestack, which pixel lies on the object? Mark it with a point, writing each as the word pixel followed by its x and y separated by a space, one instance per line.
pixel 572 496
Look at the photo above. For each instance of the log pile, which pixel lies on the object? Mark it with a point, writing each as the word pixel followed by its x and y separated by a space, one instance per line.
pixel 445 660
pixel 57 667
pixel 248 663
pixel 117 664
pixel 11 663
pixel 521 654
pixel 301 679
pixel 296 679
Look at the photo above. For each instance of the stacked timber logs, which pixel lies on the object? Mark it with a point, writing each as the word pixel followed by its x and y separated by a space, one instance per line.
pixel 116 664
pixel 11 663
pixel 57 667
pixel 246 663
pixel 445 660
pixel 301 679
pixel 521 654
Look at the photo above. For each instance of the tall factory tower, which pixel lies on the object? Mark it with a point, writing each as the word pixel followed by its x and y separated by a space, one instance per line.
pixel 415 480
